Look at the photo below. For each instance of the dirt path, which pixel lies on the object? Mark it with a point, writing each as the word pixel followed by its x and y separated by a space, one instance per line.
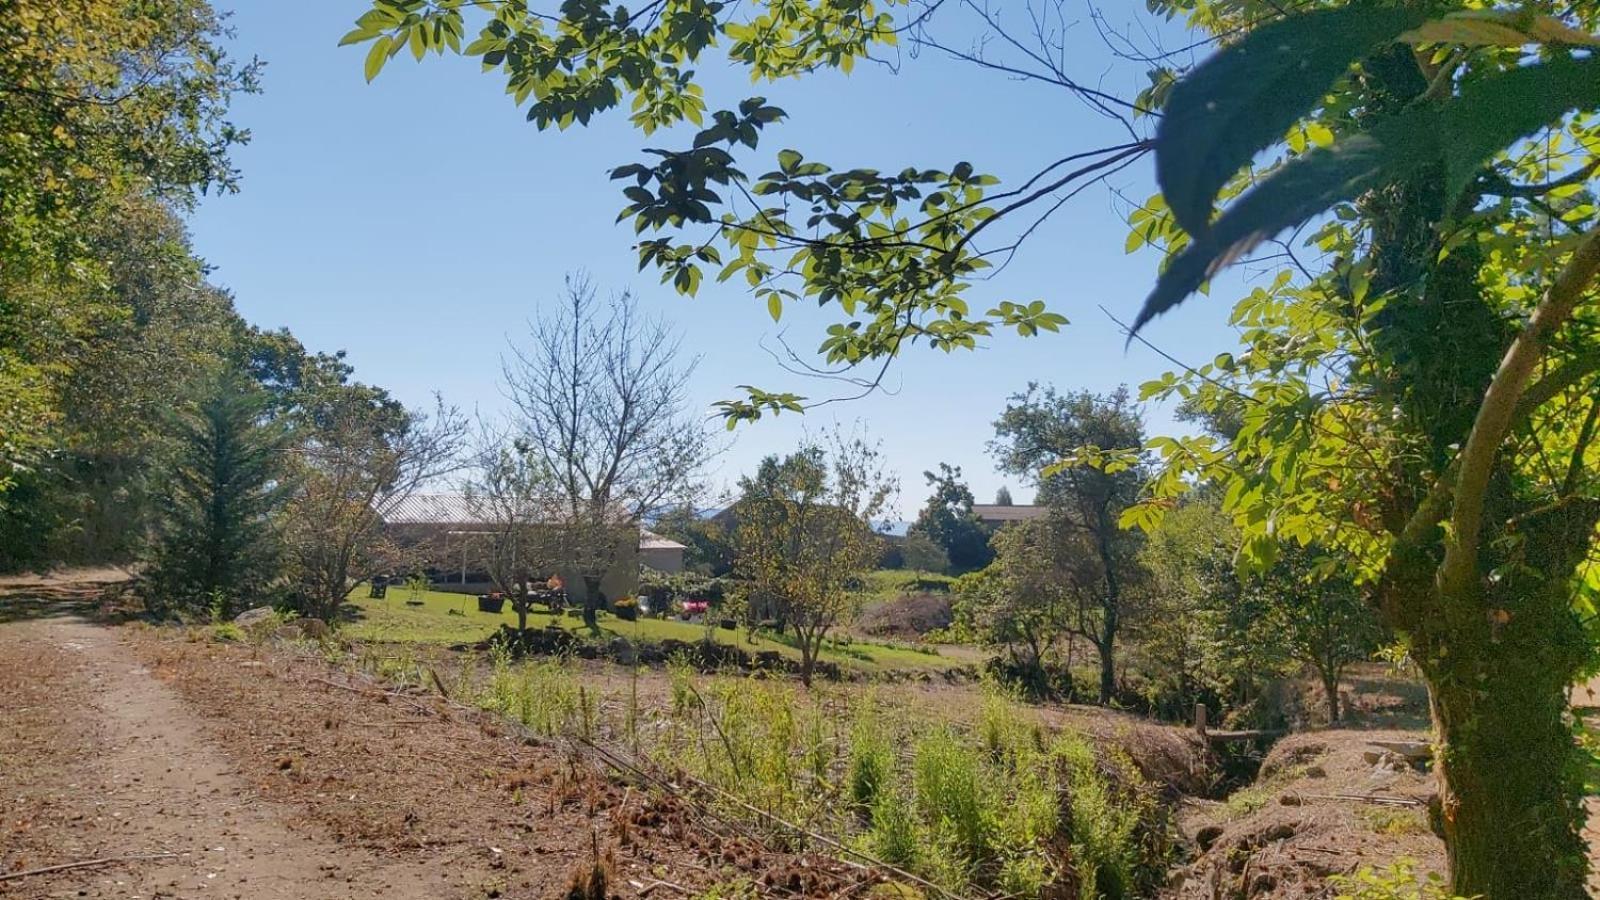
pixel 98 745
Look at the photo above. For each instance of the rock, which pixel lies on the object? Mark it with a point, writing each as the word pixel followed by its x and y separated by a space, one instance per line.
pixel 252 617
pixel 621 650
pixel 1207 837
pixel 1279 832
pixel 315 629
pixel 1290 800
pixel 1316 772
pixel 1413 751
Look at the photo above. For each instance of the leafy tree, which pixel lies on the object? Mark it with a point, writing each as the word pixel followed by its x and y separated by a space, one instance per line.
pixel 102 102
pixel 1205 636
pixel 1323 617
pixel 948 521
pixel 919 553
pixel 1058 440
pixel 1420 399
pixel 708 546
pixel 1002 497
pixel 1024 603
pixel 806 534
pixel 1211 632
pixel 603 405
pixel 217 539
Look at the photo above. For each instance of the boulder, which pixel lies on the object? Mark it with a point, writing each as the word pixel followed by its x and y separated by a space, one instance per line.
pixel 253 617
pixel 312 628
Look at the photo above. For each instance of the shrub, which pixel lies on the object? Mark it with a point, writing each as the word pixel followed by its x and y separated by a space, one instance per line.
pixel 627 609
pixel 953 795
pixel 893 837
pixel 871 762
pixel 1397 881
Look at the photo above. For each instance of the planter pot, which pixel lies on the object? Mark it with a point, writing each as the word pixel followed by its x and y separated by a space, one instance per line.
pixel 491 604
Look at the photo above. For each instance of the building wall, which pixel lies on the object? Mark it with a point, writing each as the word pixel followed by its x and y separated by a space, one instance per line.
pixel 663 559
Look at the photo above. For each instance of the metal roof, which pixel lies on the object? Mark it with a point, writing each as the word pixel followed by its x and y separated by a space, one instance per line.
pixel 990 512
pixel 461 511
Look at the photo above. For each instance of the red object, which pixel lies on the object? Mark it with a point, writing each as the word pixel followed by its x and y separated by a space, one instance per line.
pixel 695 606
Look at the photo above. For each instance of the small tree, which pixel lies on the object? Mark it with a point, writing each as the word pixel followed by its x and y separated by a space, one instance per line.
pixel 216 539
pixel 360 455
pixel 513 497
pixel 1023 603
pixel 1002 497
pixel 1323 618
pixel 603 406
pixel 1059 440
pixel 806 535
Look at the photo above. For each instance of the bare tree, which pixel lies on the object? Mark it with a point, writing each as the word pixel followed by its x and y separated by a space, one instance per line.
pixel 361 455
pixel 603 405
pixel 513 495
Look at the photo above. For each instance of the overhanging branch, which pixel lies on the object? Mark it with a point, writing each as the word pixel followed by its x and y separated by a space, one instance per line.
pixel 1501 403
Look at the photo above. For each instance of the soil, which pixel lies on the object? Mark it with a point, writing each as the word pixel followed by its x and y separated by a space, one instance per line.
pixel 238 773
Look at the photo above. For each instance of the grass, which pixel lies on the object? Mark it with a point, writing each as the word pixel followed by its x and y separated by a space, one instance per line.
pixel 446 618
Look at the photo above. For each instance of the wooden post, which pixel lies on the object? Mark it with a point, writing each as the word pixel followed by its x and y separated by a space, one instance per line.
pixel 1200 720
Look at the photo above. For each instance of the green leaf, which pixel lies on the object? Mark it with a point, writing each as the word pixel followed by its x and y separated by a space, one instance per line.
pixel 1463 133
pixel 775 306
pixel 1498 28
pixel 377 56
pixel 1243 99
pixel 357 36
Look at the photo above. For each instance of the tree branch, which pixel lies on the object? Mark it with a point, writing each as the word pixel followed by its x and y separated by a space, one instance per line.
pixel 1501 403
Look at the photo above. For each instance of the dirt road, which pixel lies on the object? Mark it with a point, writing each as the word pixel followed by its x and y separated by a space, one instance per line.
pixel 108 761
pixel 235 772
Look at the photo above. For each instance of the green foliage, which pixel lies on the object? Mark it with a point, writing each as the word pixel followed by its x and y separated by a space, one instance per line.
pixel 1399 880
pixel 891 251
pixel 871 760
pixel 217 538
pixel 919 552
pixel 948 521
pixel 807 533
pixel 708 544
pixel 107 105
pixel 1241 100
pixel 1405 407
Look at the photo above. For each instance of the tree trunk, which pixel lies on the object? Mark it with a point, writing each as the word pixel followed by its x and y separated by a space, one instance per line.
pixel 1330 686
pixel 1108 673
pixel 1510 801
pixel 808 654
pixel 592 601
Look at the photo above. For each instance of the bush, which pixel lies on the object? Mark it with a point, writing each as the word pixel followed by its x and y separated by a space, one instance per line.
pixel 627 609
pixel 871 762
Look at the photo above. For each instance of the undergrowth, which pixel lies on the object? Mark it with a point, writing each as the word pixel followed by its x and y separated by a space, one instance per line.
pixel 1001 806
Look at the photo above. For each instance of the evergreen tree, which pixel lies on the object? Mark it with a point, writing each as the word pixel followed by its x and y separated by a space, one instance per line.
pixel 216 545
pixel 1002 497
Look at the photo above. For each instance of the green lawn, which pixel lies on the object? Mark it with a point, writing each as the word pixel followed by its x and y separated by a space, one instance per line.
pixel 433 622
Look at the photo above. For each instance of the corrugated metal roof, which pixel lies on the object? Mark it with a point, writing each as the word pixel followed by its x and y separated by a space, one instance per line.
pixel 435 509
pixel 649 540
pixel 459 510
pixel 990 512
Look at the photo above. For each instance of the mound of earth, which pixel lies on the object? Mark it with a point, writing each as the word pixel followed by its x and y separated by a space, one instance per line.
pixel 1325 803
pixel 908 616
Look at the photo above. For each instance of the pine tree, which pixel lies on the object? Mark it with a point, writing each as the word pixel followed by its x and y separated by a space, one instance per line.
pixel 216 546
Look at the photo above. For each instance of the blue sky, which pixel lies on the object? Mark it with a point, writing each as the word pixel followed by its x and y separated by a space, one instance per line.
pixel 418 222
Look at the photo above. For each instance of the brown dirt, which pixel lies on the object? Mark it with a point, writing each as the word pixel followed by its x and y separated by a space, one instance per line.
pixel 267 783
